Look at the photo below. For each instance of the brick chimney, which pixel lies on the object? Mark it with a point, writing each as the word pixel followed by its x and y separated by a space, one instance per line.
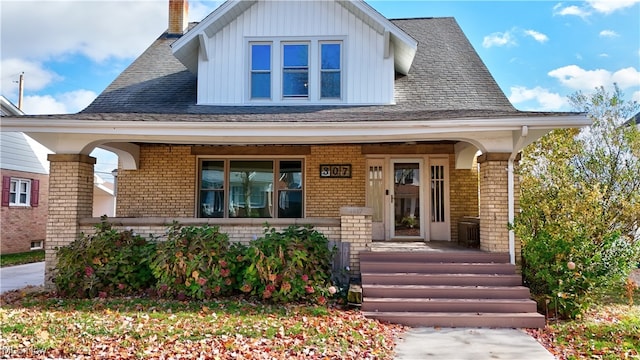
pixel 178 16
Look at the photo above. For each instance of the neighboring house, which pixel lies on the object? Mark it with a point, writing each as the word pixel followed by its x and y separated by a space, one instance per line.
pixel 309 112
pixel 25 182
pixel 104 200
pixel 24 170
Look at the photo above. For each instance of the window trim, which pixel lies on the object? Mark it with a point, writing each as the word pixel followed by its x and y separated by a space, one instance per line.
pixel 38 247
pixel 277 160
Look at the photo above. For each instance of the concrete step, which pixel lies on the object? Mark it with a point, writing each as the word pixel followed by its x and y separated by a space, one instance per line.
pixel 388 304
pixel 460 319
pixel 398 278
pixel 436 268
pixel 468 256
pixel 446 292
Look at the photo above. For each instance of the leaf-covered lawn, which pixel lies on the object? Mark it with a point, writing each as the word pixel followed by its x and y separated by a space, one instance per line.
pixel 39 326
pixel 610 330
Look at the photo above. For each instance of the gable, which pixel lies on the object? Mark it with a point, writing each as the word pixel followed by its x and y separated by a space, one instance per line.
pixel 191 45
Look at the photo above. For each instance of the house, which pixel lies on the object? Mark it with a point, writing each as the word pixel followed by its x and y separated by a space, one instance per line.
pixel 24 170
pixel 25 182
pixel 307 112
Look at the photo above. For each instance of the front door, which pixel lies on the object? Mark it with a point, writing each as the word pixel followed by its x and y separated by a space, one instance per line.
pixel 406 200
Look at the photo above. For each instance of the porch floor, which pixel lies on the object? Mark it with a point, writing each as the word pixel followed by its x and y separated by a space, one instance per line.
pixel 420 246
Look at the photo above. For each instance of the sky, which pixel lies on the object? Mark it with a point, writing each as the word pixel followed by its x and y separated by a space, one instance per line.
pixel 539 52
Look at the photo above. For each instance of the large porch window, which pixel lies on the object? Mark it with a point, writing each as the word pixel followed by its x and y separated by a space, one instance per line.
pixel 251 188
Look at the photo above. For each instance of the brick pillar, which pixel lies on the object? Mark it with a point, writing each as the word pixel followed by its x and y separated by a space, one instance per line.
pixel 70 199
pixel 355 228
pixel 494 203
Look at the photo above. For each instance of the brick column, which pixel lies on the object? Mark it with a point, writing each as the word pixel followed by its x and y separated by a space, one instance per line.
pixel 494 203
pixel 70 199
pixel 355 228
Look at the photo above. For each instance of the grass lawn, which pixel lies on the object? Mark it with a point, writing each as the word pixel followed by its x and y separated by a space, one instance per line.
pixel 609 330
pixel 39 326
pixel 21 258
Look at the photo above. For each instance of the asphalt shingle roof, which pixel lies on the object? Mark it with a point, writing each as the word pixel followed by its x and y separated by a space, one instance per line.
pixel 447 80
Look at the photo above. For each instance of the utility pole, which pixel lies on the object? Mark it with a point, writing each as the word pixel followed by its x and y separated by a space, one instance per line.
pixel 20 90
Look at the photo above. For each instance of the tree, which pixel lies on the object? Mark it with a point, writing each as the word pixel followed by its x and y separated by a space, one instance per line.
pixel 580 204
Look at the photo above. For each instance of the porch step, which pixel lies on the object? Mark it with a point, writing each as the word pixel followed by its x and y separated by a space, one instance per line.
pixel 461 319
pixel 442 279
pixel 459 256
pixel 445 292
pixel 389 304
pixel 408 266
pixel 446 288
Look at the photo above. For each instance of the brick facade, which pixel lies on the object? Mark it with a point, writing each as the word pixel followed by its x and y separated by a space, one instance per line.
pixel 70 199
pixel 325 197
pixel 494 206
pixel 356 229
pixel 23 224
pixel 164 184
pixel 463 200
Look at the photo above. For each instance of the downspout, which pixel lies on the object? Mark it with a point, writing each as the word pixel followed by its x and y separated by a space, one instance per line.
pixel 511 192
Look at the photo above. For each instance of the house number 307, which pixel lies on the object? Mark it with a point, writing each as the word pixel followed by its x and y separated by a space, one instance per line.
pixel 335 171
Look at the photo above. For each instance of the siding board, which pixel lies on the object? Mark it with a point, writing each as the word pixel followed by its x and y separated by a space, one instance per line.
pixel 224 79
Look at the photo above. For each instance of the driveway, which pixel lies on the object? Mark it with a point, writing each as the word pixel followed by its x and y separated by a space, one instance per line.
pixel 19 276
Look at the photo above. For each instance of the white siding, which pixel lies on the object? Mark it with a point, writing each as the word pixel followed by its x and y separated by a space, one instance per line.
pixel 21 153
pixel 367 75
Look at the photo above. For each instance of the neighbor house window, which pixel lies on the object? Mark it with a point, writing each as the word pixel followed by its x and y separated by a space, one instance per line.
pixel 330 70
pixel 37 245
pixel 295 70
pixel 19 192
pixel 260 71
pixel 251 188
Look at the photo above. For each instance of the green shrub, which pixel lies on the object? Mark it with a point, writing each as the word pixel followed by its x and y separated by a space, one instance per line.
pixel 194 262
pixel 108 262
pixel 288 266
pixel 569 273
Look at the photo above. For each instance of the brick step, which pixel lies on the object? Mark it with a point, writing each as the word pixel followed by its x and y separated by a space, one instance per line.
pixel 398 278
pixel 460 319
pixel 388 304
pixel 446 292
pixel 436 268
pixel 434 256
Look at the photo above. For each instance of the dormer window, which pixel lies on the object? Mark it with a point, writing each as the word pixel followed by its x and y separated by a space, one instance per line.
pixel 304 70
pixel 260 71
pixel 295 71
pixel 330 70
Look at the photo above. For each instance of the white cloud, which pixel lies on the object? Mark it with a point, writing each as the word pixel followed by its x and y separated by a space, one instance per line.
pixel 603 55
pixel 609 6
pixel 609 33
pixel 35 76
pixel 636 96
pixel 498 39
pixel 546 100
pixel 573 10
pixel 576 78
pixel 539 37
pixel 65 103
pixel 96 29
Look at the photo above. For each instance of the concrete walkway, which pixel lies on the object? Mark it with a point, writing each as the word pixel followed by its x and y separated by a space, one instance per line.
pixel 469 344
pixel 19 276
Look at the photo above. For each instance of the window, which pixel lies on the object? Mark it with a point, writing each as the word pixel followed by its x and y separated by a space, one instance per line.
pixel 36 245
pixel 19 192
pixel 252 188
pixel 330 69
pixel 260 71
pixel 288 70
pixel 295 71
